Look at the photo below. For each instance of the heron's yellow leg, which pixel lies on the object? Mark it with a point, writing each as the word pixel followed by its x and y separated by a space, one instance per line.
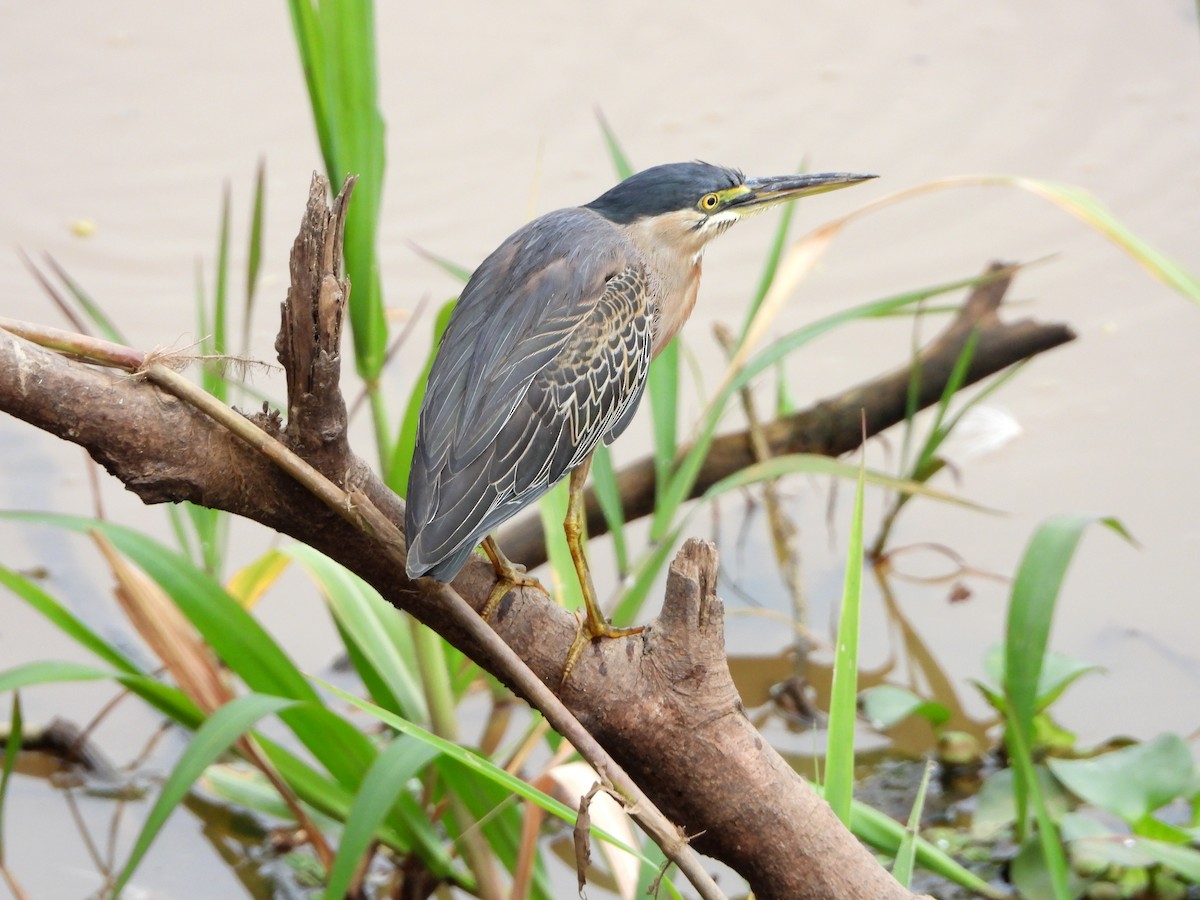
pixel 594 624
pixel 508 576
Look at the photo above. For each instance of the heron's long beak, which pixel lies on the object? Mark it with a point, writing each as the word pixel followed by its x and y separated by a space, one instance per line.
pixel 762 193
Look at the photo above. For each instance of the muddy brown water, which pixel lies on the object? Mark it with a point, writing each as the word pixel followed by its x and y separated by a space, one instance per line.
pixel 132 118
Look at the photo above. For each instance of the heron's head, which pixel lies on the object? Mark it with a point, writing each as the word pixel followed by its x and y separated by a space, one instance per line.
pixel 685 205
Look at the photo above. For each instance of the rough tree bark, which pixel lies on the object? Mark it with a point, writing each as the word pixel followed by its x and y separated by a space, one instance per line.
pixel 662 704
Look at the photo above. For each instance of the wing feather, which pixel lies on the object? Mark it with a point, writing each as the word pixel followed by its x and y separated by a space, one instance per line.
pixel 545 354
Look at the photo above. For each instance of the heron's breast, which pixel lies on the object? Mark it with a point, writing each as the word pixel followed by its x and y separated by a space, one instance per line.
pixel 675 304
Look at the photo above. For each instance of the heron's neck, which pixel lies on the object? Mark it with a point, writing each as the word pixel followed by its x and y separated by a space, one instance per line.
pixel 673 258
pixel 676 298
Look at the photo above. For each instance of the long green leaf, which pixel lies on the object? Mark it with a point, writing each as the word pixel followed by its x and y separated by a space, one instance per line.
pixel 213 738
pixel 477 764
pixel 885 834
pixel 373 624
pixel 406 440
pixel 170 700
pixel 336 41
pixel 843 700
pixel 1030 613
pixel 686 472
pixel 408 831
pixel 12 749
pixel 770 267
pixel 1031 609
pixel 552 508
pixel 619 160
pixel 220 334
pixel 604 482
pixel 65 620
pixel 239 640
pixel 1091 211
pixel 90 307
pixel 489 807
pixel 254 250
pixel 906 855
pixel 662 385
pixel 384 782
pixel 646 568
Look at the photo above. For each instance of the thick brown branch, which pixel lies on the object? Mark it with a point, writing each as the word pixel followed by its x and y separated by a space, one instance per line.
pixel 662 703
pixel 834 426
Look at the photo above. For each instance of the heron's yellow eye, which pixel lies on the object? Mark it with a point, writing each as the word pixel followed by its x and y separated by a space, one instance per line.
pixel 709 202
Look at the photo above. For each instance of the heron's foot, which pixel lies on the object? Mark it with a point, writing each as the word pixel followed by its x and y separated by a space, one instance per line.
pixel 509 576
pixel 507 581
pixel 591 628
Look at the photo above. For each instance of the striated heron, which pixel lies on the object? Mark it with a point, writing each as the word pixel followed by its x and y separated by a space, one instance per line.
pixel 547 352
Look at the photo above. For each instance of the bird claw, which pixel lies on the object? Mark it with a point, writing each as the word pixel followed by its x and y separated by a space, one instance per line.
pixel 505 583
pixel 591 628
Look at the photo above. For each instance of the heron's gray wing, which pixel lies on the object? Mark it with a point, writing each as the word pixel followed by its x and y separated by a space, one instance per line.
pixel 545 354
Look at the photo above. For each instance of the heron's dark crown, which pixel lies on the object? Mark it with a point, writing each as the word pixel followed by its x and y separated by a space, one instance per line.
pixel 663 189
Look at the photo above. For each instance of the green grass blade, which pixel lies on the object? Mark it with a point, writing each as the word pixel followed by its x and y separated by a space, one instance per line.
pixel 239 640
pixel 406 440
pixel 619 160
pixel 435 678
pixel 885 834
pixel 646 568
pixel 348 29
pixel 254 250
pixel 685 473
pixel 1030 614
pixel 553 510
pixel 645 571
pixel 604 481
pixel 449 266
pixel 662 385
pixel 374 626
pixel 12 749
pixel 311 48
pixel 213 738
pixel 208 526
pixel 211 324
pixel 382 785
pixel 906 855
pixel 48 671
pixel 843 700
pixel 90 307
pixel 487 806
pixel 66 621
pixel 169 700
pixel 477 764
pixel 1031 609
pixel 406 832
pixel 220 333
pixel 1091 211
pixel 770 267
pixel 336 44
pixel 937 433
pixel 233 633
pixel 816 464
pixel 178 521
